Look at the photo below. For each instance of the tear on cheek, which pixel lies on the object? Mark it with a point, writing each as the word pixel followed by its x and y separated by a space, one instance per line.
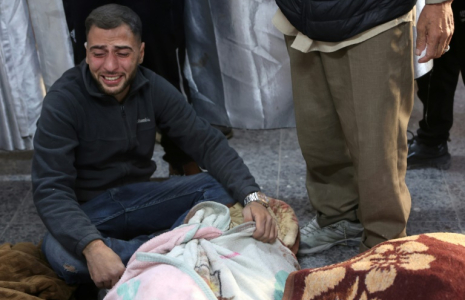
pixel 69 268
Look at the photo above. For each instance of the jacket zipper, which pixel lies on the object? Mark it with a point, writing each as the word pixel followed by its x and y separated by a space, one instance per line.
pixel 126 127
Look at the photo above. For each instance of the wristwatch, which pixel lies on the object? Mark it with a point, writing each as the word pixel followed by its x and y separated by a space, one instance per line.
pixel 257 197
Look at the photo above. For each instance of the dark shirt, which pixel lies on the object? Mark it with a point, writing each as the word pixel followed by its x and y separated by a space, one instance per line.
pixel 339 20
pixel 87 142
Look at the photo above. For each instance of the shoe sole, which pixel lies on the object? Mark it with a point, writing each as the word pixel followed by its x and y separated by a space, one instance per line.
pixel 348 242
pixel 441 163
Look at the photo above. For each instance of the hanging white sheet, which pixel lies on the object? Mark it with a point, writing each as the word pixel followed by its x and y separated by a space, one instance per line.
pixel 52 37
pixel 21 89
pixel 34 42
pixel 239 64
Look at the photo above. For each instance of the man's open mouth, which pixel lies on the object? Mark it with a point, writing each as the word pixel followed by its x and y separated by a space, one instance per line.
pixel 114 79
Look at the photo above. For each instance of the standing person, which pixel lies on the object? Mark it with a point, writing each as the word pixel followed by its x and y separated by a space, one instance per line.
pixel 436 90
pixel 92 161
pixel 352 77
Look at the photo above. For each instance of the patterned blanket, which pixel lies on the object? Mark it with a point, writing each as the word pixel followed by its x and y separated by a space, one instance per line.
pixel 427 267
pixel 204 259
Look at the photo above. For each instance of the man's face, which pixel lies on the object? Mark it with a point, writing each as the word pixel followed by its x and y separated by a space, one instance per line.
pixel 113 56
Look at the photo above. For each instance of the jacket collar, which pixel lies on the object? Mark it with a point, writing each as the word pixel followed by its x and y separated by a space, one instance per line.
pixel 93 90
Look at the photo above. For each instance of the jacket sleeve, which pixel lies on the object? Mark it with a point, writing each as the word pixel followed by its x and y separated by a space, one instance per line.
pixel 204 143
pixel 54 175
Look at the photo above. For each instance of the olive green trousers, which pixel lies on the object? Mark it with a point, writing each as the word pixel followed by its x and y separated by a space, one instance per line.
pixel 352 108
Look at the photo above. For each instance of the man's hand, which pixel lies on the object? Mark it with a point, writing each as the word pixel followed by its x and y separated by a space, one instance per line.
pixel 267 230
pixel 105 266
pixel 434 30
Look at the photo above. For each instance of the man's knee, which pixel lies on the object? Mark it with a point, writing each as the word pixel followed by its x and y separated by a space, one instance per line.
pixel 66 265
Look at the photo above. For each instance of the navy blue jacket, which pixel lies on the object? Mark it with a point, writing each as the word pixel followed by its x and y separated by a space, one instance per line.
pixel 87 142
pixel 338 20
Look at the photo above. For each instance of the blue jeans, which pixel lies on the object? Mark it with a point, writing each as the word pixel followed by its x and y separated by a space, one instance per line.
pixel 128 216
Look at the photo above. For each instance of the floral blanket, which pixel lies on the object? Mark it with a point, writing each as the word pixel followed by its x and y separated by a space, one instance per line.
pixel 427 267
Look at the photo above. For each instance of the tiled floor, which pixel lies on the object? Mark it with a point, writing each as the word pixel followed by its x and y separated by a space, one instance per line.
pixel 274 158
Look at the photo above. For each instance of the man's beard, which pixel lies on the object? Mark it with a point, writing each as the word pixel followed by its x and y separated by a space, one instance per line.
pixel 127 83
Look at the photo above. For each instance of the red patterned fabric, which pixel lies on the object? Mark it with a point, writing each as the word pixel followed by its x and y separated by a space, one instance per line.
pixel 427 267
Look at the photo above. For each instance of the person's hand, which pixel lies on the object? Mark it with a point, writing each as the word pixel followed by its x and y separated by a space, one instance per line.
pixel 434 30
pixel 105 266
pixel 266 228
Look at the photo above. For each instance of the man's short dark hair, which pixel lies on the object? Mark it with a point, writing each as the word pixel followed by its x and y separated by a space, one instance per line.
pixel 111 16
